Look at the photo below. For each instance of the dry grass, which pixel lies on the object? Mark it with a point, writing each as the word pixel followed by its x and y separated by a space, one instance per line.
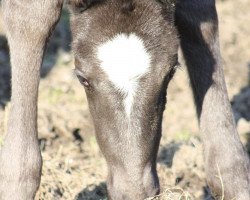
pixel 173 194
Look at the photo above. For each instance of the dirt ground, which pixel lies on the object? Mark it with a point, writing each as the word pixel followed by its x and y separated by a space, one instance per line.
pixel 73 166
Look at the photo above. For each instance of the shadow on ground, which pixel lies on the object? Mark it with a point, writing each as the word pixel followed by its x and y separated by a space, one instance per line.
pixel 167 153
pixel 93 192
pixel 4 72
pixel 241 109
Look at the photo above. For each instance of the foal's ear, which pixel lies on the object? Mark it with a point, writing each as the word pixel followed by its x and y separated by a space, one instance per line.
pixel 78 6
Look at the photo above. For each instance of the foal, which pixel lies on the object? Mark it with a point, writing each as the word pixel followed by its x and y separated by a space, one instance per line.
pixel 125 56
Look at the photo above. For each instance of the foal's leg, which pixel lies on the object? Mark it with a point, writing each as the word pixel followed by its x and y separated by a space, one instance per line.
pixel 28 25
pixel 227 165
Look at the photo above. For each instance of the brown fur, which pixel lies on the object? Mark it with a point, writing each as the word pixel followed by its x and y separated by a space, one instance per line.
pixel 130 153
pixel 132 175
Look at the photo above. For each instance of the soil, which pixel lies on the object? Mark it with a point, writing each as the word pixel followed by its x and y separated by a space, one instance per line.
pixel 74 167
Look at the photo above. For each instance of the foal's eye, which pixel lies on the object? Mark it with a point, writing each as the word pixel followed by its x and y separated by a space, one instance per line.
pixel 83 81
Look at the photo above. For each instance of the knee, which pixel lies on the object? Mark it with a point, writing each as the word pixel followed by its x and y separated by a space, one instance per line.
pixel 20 171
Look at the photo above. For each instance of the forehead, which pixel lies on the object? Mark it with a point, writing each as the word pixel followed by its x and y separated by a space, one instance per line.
pixel 104 21
pixel 126 43
pixel 119 42
pixel 124 59
pixel 124 47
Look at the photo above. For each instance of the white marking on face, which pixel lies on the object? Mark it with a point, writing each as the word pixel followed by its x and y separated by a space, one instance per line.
pixel 124 59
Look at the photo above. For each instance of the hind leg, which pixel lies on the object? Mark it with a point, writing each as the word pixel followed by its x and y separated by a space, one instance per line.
pixel 226 162
pixel 28 24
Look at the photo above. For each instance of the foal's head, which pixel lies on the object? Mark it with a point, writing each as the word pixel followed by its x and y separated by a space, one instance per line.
pixel 125 55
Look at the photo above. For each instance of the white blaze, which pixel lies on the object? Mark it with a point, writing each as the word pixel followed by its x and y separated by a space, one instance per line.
pixel 124 59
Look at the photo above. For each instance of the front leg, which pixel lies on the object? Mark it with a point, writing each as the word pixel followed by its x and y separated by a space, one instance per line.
pixel 226 162
pixel 28 24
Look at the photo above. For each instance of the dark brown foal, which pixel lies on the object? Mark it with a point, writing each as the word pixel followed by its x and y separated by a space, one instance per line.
pixel 125 56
